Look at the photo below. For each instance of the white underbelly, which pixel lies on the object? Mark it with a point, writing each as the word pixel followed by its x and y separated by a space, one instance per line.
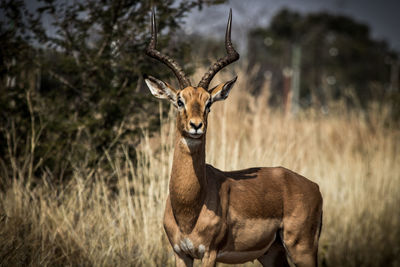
pixel 248 239
pixel 235 257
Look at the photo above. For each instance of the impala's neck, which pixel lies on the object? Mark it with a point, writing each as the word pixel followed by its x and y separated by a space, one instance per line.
pixel 188 182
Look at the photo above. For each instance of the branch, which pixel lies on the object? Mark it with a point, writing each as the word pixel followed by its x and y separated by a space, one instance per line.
pixel 63 81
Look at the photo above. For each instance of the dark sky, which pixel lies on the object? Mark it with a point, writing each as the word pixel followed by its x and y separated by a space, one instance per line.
pixel 383 16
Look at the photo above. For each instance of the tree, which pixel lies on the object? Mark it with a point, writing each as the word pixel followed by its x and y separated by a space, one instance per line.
pixel 90 60
pixel 338 55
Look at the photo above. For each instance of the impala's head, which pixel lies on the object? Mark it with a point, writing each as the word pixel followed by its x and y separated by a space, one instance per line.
pixel 193 103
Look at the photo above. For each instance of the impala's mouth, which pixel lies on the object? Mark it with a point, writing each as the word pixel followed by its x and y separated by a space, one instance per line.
pixel 195 135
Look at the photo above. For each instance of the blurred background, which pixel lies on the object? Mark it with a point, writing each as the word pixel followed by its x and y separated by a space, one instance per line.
pixel 85 150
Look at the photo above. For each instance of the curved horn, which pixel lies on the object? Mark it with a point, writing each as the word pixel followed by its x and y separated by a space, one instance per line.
pixel 231 56
pixel 152 52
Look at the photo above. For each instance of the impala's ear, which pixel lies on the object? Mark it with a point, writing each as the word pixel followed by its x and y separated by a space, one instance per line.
pixel 221 91
pixel 160 89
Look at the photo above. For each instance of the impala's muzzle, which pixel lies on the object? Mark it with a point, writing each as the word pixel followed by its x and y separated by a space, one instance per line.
pixel 196 127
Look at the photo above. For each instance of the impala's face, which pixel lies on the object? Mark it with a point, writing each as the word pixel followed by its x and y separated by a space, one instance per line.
pixel 193 107
pixel 193 104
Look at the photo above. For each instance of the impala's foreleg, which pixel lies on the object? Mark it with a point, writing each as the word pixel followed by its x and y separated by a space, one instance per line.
pixel 183 260
pixel 209 259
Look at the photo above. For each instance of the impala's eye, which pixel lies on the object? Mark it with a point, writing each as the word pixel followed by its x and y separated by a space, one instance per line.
pixel 180 103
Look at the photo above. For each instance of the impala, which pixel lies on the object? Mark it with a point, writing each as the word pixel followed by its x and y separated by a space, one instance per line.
pixel 270 214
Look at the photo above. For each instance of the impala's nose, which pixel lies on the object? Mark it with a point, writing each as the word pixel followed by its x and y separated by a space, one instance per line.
pixel 195 125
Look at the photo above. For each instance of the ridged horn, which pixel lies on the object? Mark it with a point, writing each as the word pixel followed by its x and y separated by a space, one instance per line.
pixel 152 52
pixel 231 56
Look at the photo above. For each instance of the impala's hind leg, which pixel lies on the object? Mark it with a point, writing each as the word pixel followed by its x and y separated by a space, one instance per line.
pixel 300 239
pixel 275 256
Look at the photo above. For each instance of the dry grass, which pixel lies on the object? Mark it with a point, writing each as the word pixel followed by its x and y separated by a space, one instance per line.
pixel 355 163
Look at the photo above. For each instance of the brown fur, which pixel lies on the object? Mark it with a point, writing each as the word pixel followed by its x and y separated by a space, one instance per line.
pixel 267 214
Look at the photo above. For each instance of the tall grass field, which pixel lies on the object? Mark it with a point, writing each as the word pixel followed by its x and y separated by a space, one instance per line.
pixel 353 156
